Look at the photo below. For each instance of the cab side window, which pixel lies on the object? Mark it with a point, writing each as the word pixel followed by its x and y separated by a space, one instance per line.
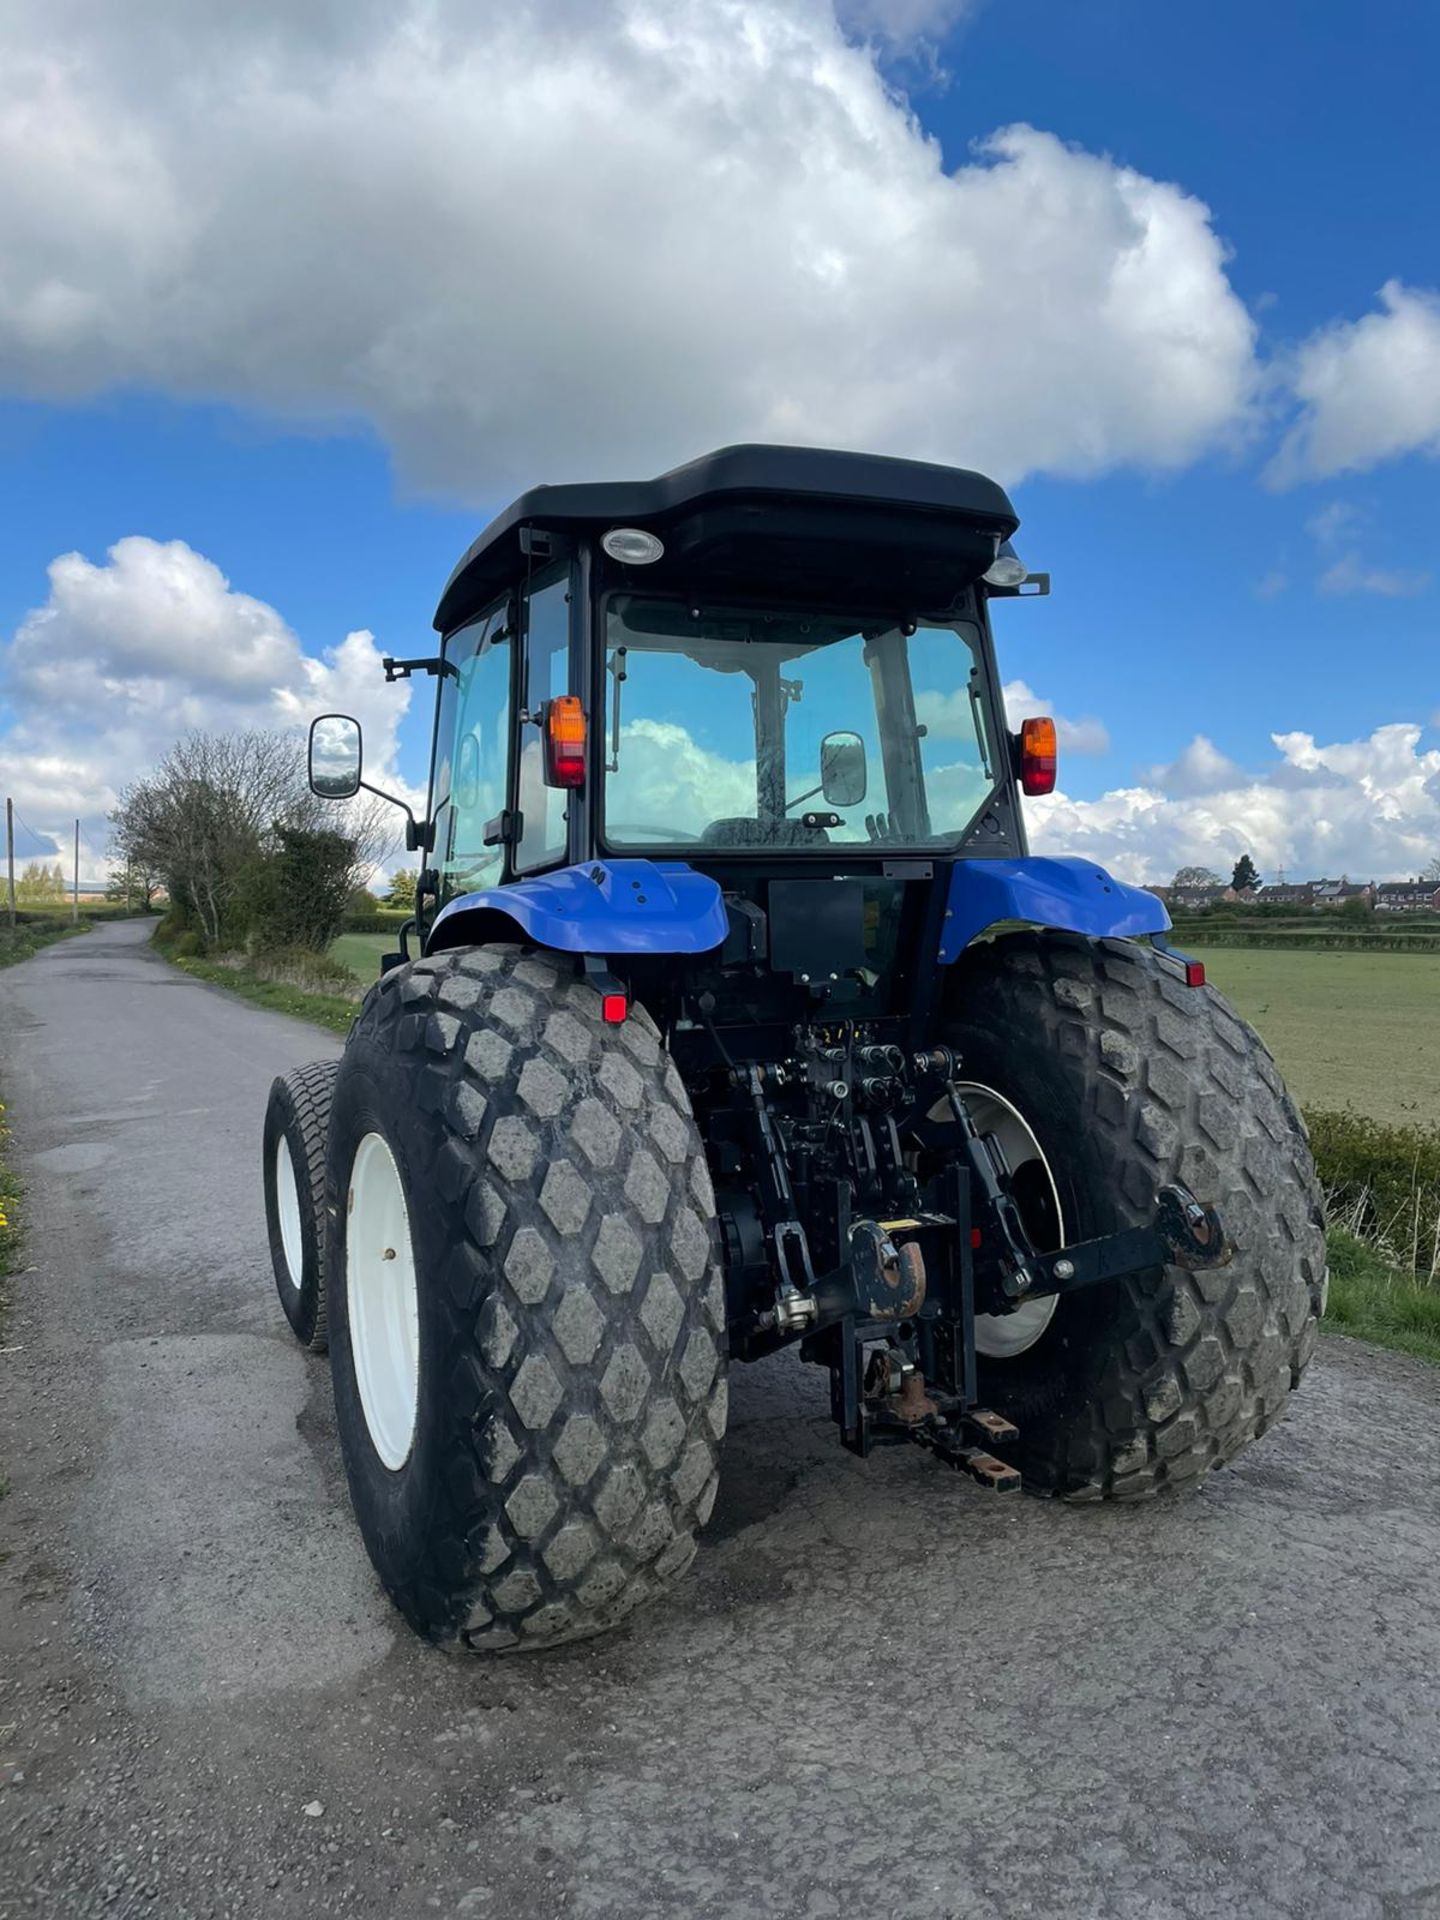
pixel 472 752
pixel 546 619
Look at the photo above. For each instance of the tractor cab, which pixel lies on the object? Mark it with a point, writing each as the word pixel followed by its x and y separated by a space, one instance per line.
pixel 770 652
pixel 765 672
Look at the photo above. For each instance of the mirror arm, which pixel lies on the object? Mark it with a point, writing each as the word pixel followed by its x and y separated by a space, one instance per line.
pixel 419 836
pixel 804 796
pixel 402 669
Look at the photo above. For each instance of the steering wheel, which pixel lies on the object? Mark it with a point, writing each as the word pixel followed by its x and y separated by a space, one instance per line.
pixel 655 833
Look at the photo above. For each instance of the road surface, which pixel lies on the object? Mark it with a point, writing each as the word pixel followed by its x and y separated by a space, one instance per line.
pixel 879 1693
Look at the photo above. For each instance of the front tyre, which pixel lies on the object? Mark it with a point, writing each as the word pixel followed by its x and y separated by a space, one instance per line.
pixel 1127 1079
pixel 297 1120
pixel 527 1318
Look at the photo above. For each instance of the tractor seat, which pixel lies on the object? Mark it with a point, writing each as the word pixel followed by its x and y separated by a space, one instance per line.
pixel 741 830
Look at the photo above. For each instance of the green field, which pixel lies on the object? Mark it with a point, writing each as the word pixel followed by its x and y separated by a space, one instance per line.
pixel 1347 1029
pixel 361 952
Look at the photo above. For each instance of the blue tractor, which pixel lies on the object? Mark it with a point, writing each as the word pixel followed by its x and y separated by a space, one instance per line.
pixel 737 1015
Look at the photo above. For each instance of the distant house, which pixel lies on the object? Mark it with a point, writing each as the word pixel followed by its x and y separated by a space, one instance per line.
pixel 1290 895
pixel 1336 893
pixel 1315 894
pixel 1197 899
pixel 1407 896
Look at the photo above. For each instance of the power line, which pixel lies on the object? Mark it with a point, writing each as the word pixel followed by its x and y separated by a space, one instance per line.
pixel 59 838
pixel 31 831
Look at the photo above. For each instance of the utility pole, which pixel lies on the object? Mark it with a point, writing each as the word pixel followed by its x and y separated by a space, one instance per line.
pixel 10 854
pixel 75 895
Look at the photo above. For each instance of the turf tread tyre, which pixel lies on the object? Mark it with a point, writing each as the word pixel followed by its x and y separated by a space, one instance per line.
pixel 1131 1078
pixel 299 1106
pixel 573 1391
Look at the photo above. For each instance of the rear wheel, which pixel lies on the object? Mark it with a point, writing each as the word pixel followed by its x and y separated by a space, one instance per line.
pixel 1112 1079
pixel 527 1338
pixel 297 1118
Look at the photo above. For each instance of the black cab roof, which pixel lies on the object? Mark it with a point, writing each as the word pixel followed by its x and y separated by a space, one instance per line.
pixel 765 516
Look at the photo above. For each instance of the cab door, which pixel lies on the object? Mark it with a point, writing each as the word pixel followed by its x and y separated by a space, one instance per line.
pixel 470 787
pixel 542 826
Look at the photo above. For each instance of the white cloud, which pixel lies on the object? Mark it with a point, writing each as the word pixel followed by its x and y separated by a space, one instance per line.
pixel 1369 389
pixel 1349 574
pixel 1072 736
pixel 1200 768
pixel 1272 584
pixel 124 657
pixel 903 25
pixel 1335 522
pixel 665 776
pixel 1367 807
pixel 588 238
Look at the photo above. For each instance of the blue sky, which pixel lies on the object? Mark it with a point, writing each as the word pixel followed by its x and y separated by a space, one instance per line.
pixel 1197 591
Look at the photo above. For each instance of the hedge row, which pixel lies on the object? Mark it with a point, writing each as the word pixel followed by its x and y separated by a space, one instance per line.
pixel 1383 1183
pixel 1311 922
pixel 1326 939
pixel 382 920
pixel 46 913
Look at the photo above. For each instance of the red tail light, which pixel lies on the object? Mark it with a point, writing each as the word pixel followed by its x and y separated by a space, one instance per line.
pixel 565 741
pixel 1037 756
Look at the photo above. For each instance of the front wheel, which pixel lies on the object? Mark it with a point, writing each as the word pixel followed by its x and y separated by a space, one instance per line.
pixel 527 1318
pixel 297 1120
pixel 1105 1078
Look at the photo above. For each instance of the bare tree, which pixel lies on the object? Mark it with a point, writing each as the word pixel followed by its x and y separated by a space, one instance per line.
pixel 216 805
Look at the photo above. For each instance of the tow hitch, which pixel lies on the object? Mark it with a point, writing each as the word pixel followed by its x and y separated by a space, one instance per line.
pixel 917 1382
pixel 1184 1233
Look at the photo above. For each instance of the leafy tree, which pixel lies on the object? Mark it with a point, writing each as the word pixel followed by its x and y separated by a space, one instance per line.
pixel 297 892
pixel 40 884
pixel 1196 877
pixel 133 886
pixel 402 889
pixel 1246 874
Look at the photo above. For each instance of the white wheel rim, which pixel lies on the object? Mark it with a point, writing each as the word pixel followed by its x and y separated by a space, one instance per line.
pixel 381 1297
pixel 287 1207
pixel 1001 1336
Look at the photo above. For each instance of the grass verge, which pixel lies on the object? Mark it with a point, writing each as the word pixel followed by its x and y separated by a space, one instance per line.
pixel 1374 1301
pixel 333 1011
pixel 29 938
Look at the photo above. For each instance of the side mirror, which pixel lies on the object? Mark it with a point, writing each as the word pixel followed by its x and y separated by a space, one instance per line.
pixel 335 756
pixel 842 769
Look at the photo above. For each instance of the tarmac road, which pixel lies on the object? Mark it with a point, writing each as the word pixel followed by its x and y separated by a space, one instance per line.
pixel 879 1692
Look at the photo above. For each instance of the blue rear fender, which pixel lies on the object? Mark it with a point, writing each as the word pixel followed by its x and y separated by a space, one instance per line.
pixel 602 906
pixel 648 906
pixel 1072 895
